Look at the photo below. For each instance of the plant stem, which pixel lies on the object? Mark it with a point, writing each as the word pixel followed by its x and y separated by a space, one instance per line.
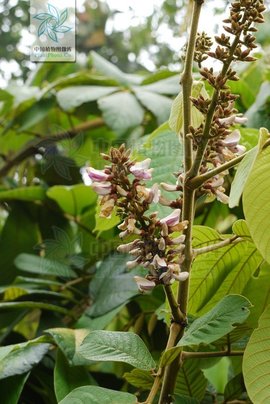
pixel 196 182
pixel 177 315
pixel 33 146
pixel 174 332
pixel 171 371
pixel 223 243
pixel 217 354
pixel 210 114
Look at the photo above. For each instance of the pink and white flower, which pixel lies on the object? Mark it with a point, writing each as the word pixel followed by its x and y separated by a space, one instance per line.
pixel 141 170
pixel 97 175
pixel 102 188
pixel 172 219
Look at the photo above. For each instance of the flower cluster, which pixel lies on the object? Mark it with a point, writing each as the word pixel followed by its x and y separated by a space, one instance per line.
pixel 222 139
pixel 156 244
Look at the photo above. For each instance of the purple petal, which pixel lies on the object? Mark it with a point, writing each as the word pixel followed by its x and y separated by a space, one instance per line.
pixel 102 188
pixel 172 219
pixel 96 175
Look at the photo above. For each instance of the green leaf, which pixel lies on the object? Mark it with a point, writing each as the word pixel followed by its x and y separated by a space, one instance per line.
pixel 166 154
pixel 220 272
pixel 234 388
pixel 110 70
pixel 67 378
pixel 121 111
pixel 98 395
pixel 20 358
pixel 19 234
pixel 11 388
pixel 176 116
pixel 217 374
pixel 72 97
pixel 167 86
pixel 169 356
pixel 257 291
pixel 6 101
pixel 256 361
pixel 30 193
pixel 256 196
pixel 43 266
pixel 33 305
pixel 159 105
pixel 221 320
pixel 241 177
pixel 104 223
pixel 116 346
pixel 73 200
pixel 112 285
pixel 140 379
pixel 190 381
pixel 68 341
pixel 257 114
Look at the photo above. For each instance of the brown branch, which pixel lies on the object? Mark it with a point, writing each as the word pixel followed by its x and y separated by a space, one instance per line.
pixel 32 147
pixel 216 354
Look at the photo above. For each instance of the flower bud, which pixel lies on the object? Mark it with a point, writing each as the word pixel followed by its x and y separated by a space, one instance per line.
pixel 144 284
pixel 141 170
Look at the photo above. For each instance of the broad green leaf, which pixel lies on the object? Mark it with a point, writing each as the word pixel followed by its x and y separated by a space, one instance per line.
pixel 73 200
pixel 44 266
pixel 98 323
pixel 256 196
pixel 67 378
pixel 217 374
pixel 98 395
pixel 220 272
pixel 190 381
pixel 241 176
pixel 20 358
pixel 33 115
pixel 176 117
pixel 19 235
pixel 72 97
pixel 159 105
pixel 168 356
pixel 240 229
pixel 6 101
pixel 121 111
pixel 11 388
pixel 68 341
pixel 221 320
pixel 239 274
pixel 116 346
pixel 29 193
pixel 105 223
pixel 166 86
pixel 244 89
pixel 166 154
pixel 257 291
pixel 249 137
pixel 234 388
pixel 112 285
pixel 179 399
pixel 257 114
pixel 32 305
pixel 256 361
pixel 139 378
pixel 110 70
